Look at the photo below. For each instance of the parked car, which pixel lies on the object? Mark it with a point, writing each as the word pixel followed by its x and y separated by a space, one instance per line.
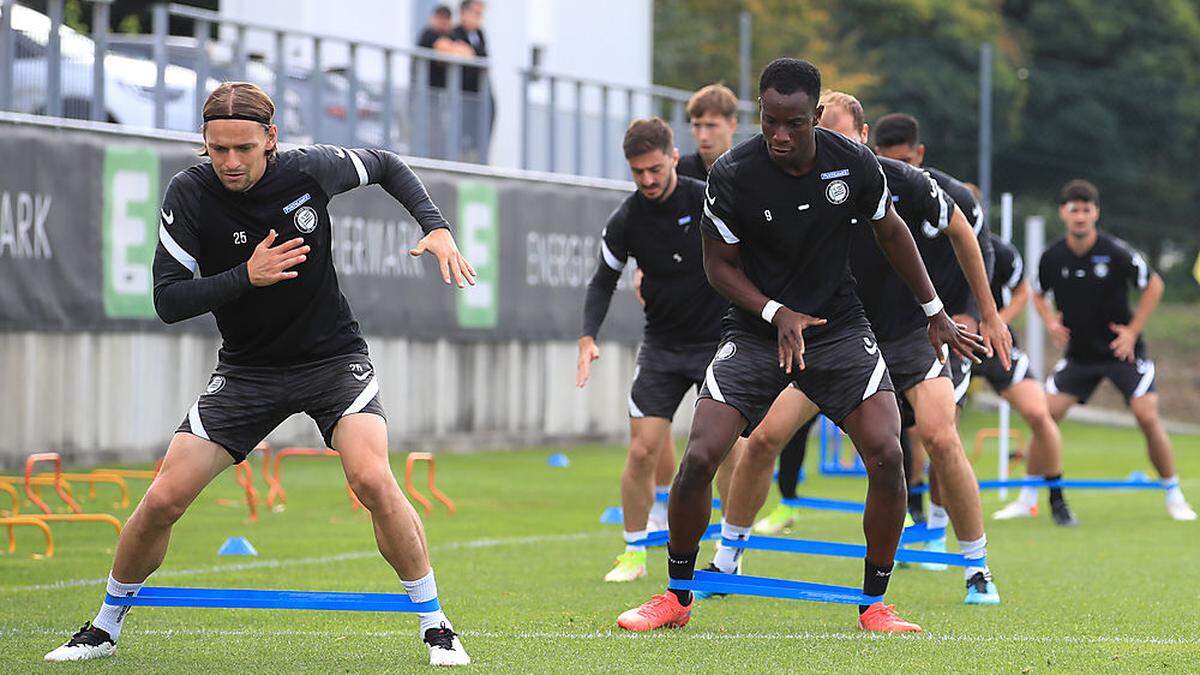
pixel 129 83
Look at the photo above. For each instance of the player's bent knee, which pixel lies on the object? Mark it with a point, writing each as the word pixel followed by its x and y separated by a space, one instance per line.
pixel 642 452
pixel 942 443
pixel 162 506
pixel 697 470
pixel 377 491
pixel 762 448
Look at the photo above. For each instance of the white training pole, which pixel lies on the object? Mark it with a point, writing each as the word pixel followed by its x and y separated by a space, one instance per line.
pixel 1006 214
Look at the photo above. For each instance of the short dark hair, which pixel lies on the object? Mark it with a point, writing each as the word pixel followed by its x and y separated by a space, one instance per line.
pixel 787 76
pixel 1079 190
pixel 466 4
pixel 648 134
pixel 897 129
pixel 442 11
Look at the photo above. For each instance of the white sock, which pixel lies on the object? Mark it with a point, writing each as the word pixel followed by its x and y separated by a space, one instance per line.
pixel 110 618
pixel 659 510
pixel 1174 493
pixel 631 537
pixel 938 518
pixel 727 557
pixel 975 551
pixel 424 590
pixel 1029 495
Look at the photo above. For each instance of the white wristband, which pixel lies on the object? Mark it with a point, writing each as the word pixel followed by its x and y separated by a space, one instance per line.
pixel 933 307
pixel 769 309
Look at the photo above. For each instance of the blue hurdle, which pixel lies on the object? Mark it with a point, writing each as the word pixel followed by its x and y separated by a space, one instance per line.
pixel 1072 484
pixel 821 504
pixel 831 450
pixel 241 598
pixel 842 550
pixel 772 588
pixel 659 537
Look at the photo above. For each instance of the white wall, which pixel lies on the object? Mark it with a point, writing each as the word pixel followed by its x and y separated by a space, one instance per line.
pixel 584 38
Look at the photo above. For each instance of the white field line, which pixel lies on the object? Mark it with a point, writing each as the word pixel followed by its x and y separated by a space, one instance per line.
pixel 317 560
pixel 620 635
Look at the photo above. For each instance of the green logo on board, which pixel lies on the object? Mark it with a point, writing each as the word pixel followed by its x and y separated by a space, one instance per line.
pixel 478 236
pixel 130 231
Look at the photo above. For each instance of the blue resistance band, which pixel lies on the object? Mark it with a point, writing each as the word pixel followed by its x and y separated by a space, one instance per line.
pixel 659 537
pixel 767 587
pixel 921 533
pixel 825 504
pixel 843 550
pixel 1073 484
pixel 238 598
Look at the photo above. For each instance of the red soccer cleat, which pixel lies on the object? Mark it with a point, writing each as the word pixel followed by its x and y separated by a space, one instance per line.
pixel 881 618
pixel 661 611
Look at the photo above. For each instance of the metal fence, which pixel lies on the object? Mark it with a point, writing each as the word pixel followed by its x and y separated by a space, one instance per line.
pixel 425 103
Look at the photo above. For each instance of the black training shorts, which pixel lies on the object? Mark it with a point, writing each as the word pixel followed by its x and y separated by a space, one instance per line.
pixel 1002 379
pixel 242 404
pixel 663 376
pixel 1080 379
pixel 911 360
pixel 843 370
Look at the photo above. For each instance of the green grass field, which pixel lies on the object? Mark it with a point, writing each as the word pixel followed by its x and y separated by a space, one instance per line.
pixel 520 566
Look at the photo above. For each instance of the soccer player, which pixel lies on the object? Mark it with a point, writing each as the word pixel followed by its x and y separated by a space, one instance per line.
pixel 791 460
pixel 780 210
pixel 916 369
pixel 1020 386
pixel 247 237
pixel 713 114
pixel 1090 273
pixel 659 226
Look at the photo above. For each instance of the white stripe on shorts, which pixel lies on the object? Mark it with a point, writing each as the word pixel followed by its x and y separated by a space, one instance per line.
pixel 1020 368
pixel 364 397
pixel 194 421
pixel 710 380
pixel 876 378
pixel 961 389
pixel 1147 380
pixel 634 410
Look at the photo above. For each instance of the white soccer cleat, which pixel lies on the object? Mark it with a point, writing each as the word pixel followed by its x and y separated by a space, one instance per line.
pixel 87 643
pixel 445 648
pixel 1180 510
pixel 1016 509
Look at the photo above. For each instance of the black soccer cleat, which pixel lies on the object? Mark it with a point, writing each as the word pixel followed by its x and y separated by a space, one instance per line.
pixel 1062 514
pixel 445 648
pixel 87 643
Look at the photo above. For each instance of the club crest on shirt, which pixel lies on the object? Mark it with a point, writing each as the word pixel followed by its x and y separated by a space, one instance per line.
pixel 217 383
pixel 306 219
pixel 837 191
pixel 727 350
pixel 1101 270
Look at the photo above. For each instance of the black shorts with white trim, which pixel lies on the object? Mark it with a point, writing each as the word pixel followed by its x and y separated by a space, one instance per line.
pixel 1002 379
pixel 1080 378
pixel 242 404
pixel 841 371
pixel 664 375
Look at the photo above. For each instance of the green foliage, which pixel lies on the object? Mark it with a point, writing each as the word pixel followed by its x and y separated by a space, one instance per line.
pixel 1081 88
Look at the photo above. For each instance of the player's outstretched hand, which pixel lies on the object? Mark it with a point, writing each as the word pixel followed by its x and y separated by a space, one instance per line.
pixel 1124 346
pixel 1059 333
pixel 588 352
pixel 791 327
pixel 441 244
pixel 270 264
pixel 944 331
pixel 997 339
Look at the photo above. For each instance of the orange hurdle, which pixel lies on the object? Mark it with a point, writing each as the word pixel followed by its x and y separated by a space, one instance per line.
pixel 140 474
pixel 10 523
pixel 277 492
pixel 984 434
pixel 78 518
pixel 413 458
pixel 245 477
pixel 16 498
pixel 93 478
pixel 29 492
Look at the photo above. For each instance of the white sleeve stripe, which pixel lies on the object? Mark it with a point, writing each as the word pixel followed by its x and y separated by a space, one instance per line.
pixel 176 251
pixel 610 259
pixel 358 166
pixel 1143 277
pixel 978 220
pixel 1018 269
pixel 884 199
pixel 726 233
pixel 944 211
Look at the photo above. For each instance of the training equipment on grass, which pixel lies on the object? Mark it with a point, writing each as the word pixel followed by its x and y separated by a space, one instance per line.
pixel 832 463
pixel 767 587
pixel 245 478
pixel 843 550
pixel 30 521
pixel 615 515
pixel 239 598
pixel 32 495
pixel 1077 484
pixel 91 479
pixel 558 460
pixel 276 491
pixel 413 458
pixel 659 537
pixel 1003 434
pixel 825 504
pixel 237 546
pixel 16 500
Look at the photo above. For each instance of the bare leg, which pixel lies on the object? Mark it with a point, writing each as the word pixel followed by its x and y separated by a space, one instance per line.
pixel 664 471
pixel 647 437
pixel 1045 449
pixel 1059 404
pixel 751 480
pixel 933 403
pixel 190 464
pixel 361 440
pixel 874 427
pixel 1158 445
pixel 726 470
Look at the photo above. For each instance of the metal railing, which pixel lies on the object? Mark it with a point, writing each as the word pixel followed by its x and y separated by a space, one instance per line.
pixel 583 120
